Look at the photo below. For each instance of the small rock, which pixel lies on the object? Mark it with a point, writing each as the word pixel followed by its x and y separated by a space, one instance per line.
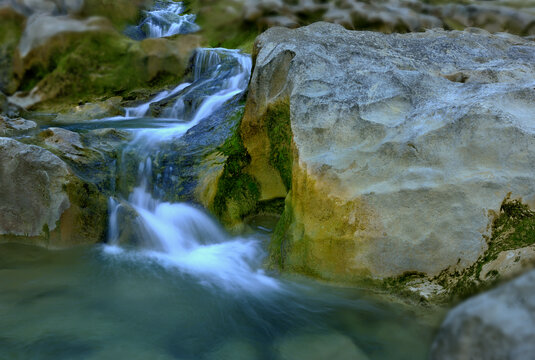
pixel 509 263
pixel 90 111
pixel 11 127
pixel 496 325
pixel 67 143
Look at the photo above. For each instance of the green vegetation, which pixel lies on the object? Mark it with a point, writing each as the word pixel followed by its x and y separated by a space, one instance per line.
pixel 280 239
pixel 277 120
pixel 512 228
pixel 11 25
pixel 237 192
pixel 89 211
pixel 92 66
pixel 120 12
pixel 222 24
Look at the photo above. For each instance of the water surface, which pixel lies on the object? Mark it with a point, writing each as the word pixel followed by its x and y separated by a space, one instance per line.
pixel 88 303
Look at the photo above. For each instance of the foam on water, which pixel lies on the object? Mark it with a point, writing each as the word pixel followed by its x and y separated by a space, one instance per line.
pixel 178 235
pixel 167 19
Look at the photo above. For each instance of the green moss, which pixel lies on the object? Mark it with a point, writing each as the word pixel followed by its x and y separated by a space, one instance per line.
pixel 90 209
pixel 92 66
pixel 512 228
pixel 119 12
pixel 237 192
pixel 277 120
pixel 280 239
pixel 221 27
pixel 11 27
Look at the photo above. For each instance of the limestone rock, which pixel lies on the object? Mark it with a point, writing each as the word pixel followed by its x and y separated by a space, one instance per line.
pixel 43 203
pixel 11 127
pixel 235 23
pixel 67 143
pixel 29 7
pixel 399 145
pixel 509 263
pixel 41 28
pixel 92 110
pixel 72 60
pixel 31 190
pixel 499 324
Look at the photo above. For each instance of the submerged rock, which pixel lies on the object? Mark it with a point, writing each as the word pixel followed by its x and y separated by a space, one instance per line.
pixel 43 203
pixel 499 324
pixel 394 147
pixel 318 347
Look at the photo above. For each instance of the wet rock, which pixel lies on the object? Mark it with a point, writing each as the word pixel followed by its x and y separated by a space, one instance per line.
pixel 498 324
pixel 393 158
pixel 32 193
pixel 43 203
pixel 318 347
pixel 67 143
pixel 91 155
pixel 65 59
pixel 11 127
pixel 92 110
pixel 509 263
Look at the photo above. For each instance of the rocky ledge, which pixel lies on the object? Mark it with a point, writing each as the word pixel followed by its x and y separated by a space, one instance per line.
pixel 394 153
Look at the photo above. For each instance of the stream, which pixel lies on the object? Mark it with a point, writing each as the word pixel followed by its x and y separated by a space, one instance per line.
pixel 185 289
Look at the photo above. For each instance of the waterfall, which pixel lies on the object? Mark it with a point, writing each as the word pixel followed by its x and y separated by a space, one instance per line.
pixel 166 18
pixel 179 235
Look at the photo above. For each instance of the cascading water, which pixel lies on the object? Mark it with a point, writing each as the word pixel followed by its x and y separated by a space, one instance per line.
pixel 166 18
pixel 123 303
pixel 177 234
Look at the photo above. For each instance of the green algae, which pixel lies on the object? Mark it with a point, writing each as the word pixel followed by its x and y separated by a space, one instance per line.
pixel 279 130
pixel 89 205
pixel 280 239
pixel 513 227
pixel 237 192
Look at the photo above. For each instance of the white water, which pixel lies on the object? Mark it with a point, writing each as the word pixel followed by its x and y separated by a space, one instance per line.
pixel 166 20
pixel 141 110
pixel 222 73
pixel 178 235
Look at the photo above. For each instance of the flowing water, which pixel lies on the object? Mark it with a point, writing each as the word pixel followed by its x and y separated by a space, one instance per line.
pixel 184 288
pixel 166 18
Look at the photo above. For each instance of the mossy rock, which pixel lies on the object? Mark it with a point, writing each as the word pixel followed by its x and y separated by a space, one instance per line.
pixel 237 192
pixel 86 220
pixel 11 26
pixel 512 227
pixel 222 24
pixel 44 203
pixel 93 66
pixel 120 12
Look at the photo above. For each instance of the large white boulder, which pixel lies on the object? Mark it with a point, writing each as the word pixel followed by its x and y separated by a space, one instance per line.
pixel 401 144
